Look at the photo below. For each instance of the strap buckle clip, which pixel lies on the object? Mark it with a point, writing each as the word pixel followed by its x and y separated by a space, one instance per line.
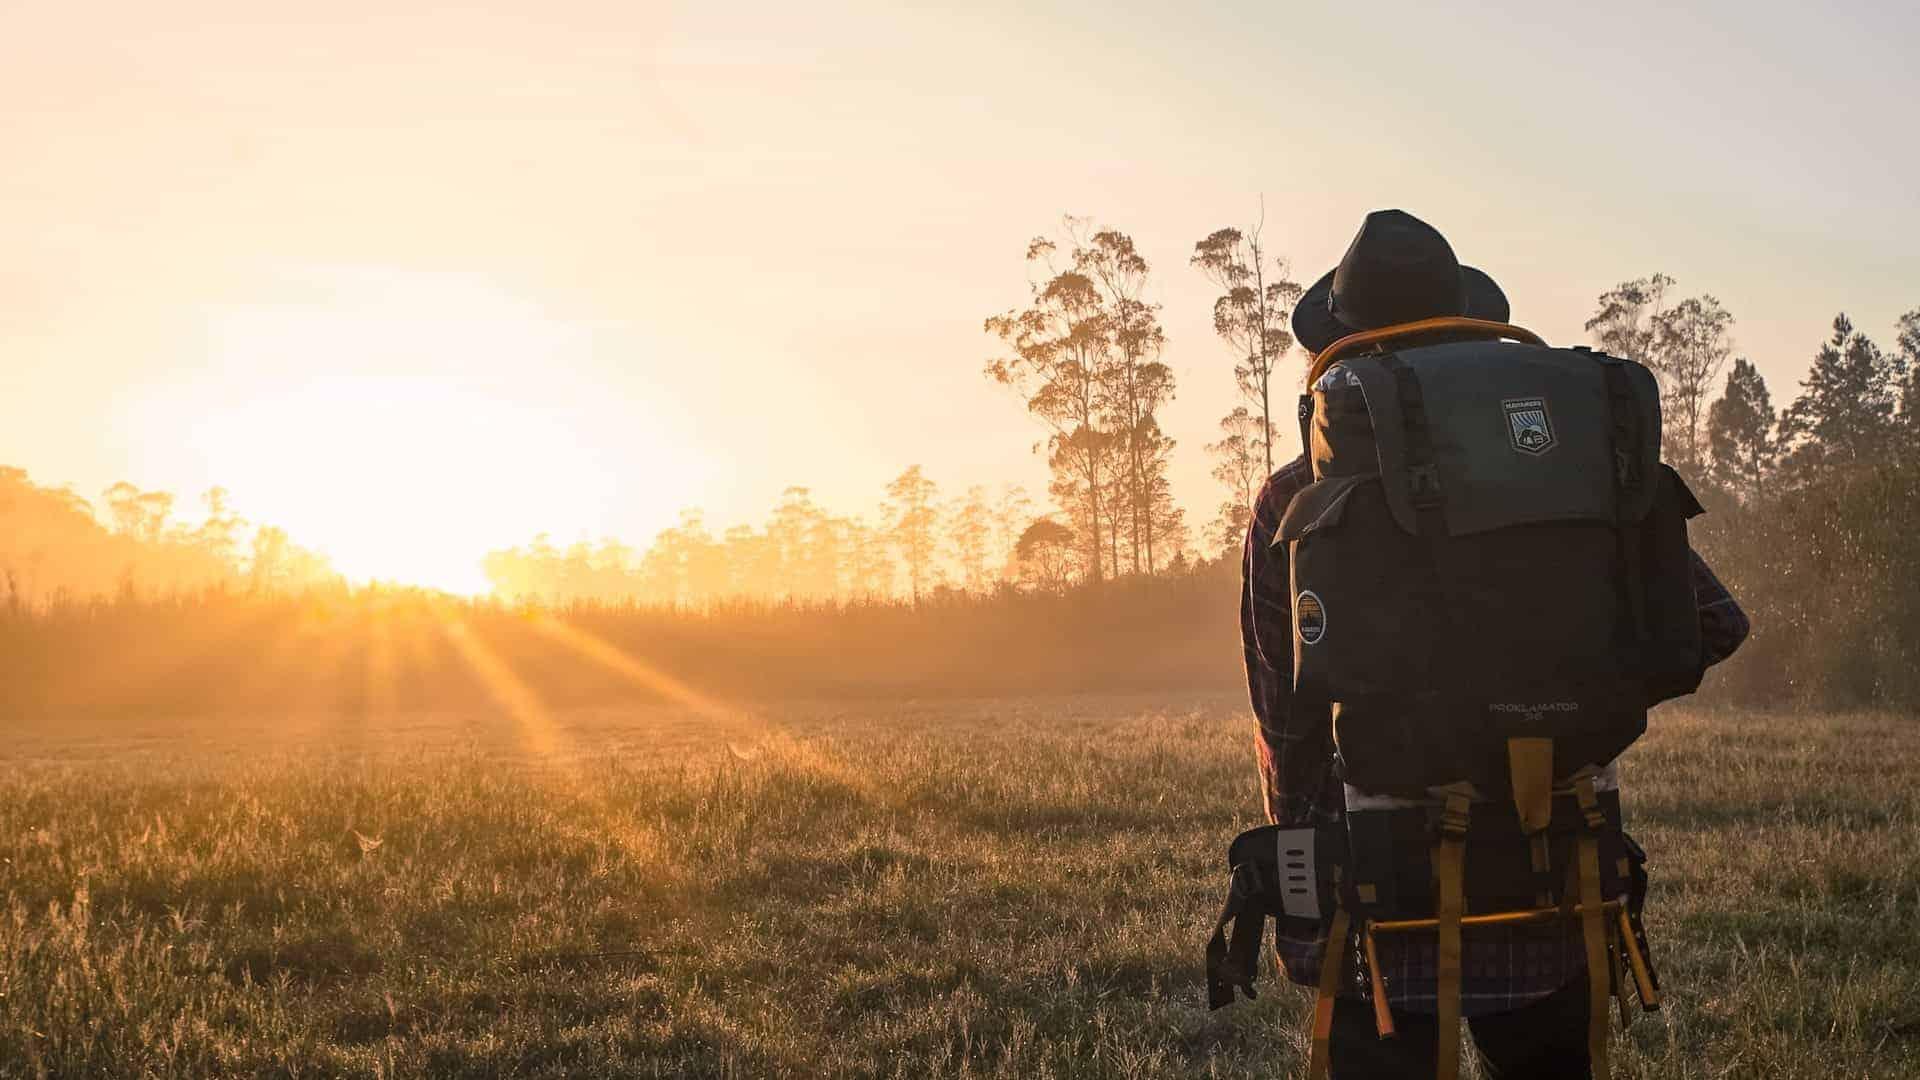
pixel 1626 470
pixel 1423 485
pixel 1588 796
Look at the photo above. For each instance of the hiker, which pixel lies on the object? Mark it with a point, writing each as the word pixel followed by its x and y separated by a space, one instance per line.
pixel 1523 987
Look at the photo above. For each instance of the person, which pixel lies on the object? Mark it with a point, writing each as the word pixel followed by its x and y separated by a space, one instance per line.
pixel 1523 989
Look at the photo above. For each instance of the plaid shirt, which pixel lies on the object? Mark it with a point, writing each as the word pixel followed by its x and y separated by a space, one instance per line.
pixel 1502 969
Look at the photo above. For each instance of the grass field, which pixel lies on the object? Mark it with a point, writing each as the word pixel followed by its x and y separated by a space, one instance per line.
pixel 1005 888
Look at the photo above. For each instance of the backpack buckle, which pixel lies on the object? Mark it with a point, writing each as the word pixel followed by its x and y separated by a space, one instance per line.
pixel 1455 814
pixel 1625 469
pixel 1423 485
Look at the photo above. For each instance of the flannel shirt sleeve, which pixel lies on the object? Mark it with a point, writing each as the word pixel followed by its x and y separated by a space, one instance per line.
pixel 1293 744
pixel 1723 625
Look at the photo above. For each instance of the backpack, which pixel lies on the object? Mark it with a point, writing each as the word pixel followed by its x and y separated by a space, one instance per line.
pixel 1490 554
pixel 1491 584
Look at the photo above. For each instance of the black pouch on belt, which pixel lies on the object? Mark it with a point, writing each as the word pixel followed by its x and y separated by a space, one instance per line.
pixel 1287 875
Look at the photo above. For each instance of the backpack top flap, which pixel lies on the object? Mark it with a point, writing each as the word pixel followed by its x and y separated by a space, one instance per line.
pixel 1519 434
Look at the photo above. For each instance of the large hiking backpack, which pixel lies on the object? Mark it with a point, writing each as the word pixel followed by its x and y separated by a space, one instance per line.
pixel 1491 584
pixel 1490 551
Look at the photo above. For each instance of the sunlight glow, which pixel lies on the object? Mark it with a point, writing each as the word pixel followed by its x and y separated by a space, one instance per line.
pixel 635 670
pixel 540 735
pixel 403 426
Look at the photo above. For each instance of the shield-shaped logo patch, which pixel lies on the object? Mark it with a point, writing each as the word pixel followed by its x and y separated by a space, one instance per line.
pixel 1529 428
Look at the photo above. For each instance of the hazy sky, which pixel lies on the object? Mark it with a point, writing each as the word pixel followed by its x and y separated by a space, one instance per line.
pixel 458 273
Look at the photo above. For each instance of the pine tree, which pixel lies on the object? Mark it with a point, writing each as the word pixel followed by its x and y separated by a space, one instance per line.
pixel 1846 413
pixel 1740 432
pixel 1907 349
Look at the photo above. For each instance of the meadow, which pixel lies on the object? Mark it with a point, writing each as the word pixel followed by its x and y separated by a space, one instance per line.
pixel 990 887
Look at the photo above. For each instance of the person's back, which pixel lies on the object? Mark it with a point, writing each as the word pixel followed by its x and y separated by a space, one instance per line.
pixel 1466 592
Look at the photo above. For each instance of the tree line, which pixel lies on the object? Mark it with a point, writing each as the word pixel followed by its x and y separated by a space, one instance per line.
pixel 1083 352
pixel 56 544
pixel 1809 500
pixel 1809 503
pixel 917 546
pixel 1811 506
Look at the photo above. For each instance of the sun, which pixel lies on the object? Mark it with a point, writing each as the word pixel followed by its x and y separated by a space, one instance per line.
pixel 407 479
pixel 406 434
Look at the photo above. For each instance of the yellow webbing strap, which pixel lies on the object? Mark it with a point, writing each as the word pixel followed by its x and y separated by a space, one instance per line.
pixel 1382 1014
pixel 1593 927
pixel 1642 974
pixel 1530 767
pixel 1617 971
pixel 1332 960
pixel 1530 764
pixel 1449 864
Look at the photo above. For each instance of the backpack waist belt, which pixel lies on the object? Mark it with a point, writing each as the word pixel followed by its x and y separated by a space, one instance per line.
pixel 1476 866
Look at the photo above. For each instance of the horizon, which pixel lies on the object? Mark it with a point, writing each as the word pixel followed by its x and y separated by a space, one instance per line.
pixel 387 276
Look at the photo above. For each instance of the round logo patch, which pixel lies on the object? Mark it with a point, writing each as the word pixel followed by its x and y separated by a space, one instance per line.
pixel 1310 617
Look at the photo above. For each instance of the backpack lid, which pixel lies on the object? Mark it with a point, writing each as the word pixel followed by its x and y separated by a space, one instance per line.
pixel 1519 434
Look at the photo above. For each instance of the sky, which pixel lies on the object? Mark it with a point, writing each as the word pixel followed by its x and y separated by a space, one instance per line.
pixel 416 281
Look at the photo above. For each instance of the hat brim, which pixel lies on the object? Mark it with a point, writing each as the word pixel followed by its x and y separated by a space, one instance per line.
pixel 1315 327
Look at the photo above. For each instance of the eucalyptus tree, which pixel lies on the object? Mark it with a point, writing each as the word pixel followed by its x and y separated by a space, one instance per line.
pixel 970 533
pixel 1140 383
pixel 1058 359
pixel 1237 465
pixel 911 521
pixel 1685 344
pixel 1251 314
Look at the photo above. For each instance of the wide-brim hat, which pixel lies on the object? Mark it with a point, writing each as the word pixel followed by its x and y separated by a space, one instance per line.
pixel 1398 269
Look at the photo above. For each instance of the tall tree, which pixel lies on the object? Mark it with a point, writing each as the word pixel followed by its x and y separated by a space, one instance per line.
pixel 219 533
pixel 662 572
pixel 1058 360
pixel 139 514
pixel 703 561
pixel 1252 312
pixel 1684 344
pixel 1140 385
pixel 1907 346
pixel 1045 555
pixel 1011 513
pixel 1627 316
pixel 870 572
pixel 280 565
pixel 1846 412
pixel 911 520
pixel 809 572
pixel 1690 346
pixel 1740 432
pixel 970 529
pixel 1169 521
pixel 753 562
pixel 1238 465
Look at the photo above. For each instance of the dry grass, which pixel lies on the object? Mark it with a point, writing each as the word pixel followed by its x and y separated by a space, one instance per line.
pixel 1015 887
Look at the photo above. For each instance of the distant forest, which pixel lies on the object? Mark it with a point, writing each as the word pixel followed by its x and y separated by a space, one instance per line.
pixel 1811 523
